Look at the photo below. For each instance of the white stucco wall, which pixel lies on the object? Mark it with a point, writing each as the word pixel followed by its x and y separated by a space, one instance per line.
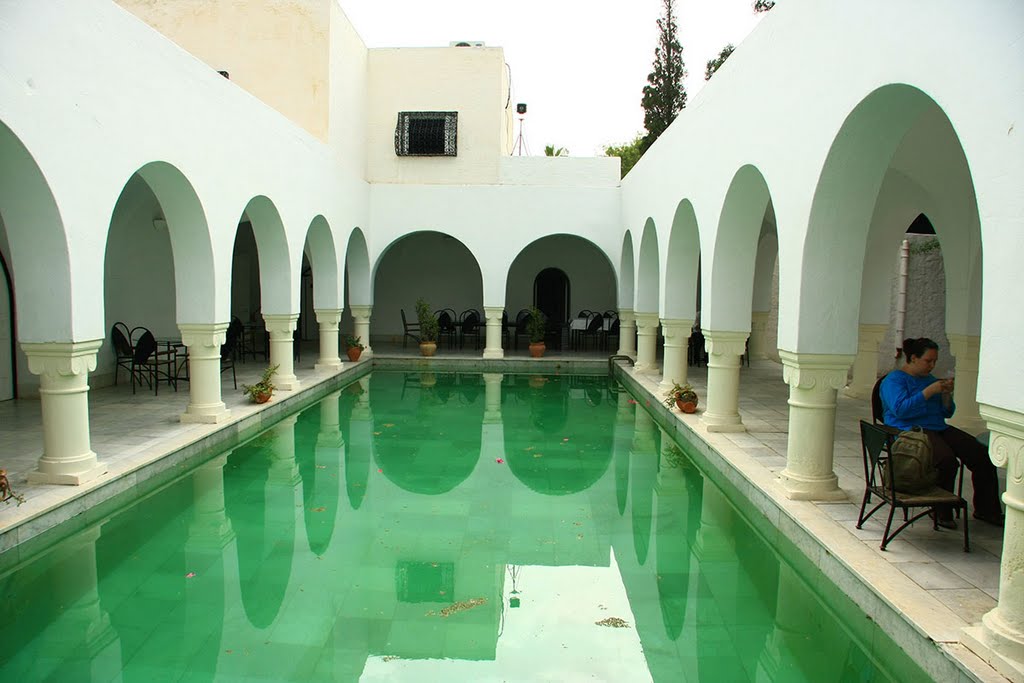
pixel 560 171
pixel 468 80
pixel 278 49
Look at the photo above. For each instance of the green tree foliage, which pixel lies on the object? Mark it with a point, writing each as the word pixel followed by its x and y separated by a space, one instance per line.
pixel 716 63
pixel 552 151
pixel 763 5
pixel 664 94
pixel 629 153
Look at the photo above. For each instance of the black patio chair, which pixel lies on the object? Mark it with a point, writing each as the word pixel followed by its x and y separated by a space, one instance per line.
pixel 522 318
pixel 229 350
pixel 120 337
pixel 409 330
pixel 152 364
pixel 446 328
pixel 594 330
pixel 470 325
pixel 876 442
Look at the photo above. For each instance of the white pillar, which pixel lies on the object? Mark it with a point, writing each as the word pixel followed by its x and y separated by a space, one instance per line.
pixel 677 336
pixel 210 528
pixel 492 397
pixel 492 347
pixel 280 326
pixel 759 334
pixel 63 369
pixel 646 342
pixel 813 382
pixel 723 402
pixel 967 417
pixel 1000 639
pixel 627 333
pixel 865 365
pixel 361 316
pixel 203 340
pixel 328 319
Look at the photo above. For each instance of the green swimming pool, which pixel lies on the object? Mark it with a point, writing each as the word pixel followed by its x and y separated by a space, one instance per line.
pixel 437 527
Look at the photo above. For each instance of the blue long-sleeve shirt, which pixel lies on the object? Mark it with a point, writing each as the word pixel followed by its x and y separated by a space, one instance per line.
pixel 905 406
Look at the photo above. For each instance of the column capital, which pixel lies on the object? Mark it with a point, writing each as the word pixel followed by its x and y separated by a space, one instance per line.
pixel 328 316
pixel 206 335
pixel 1006 445
pixel 759 318
pixel 360 312
pixel 626 315
pixel 815 370
pixel 646 323
pixel 61 359
pixel 725 343
pixel 280 323
pixel 676 330
pixel 491 312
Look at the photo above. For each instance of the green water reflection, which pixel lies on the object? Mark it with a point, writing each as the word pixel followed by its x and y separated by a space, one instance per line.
pixel 436 526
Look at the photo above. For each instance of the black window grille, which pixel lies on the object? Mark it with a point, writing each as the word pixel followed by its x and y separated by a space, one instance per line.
pixel 427 133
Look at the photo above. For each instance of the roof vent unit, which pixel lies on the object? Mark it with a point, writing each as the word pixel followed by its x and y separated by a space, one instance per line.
pixel 467 43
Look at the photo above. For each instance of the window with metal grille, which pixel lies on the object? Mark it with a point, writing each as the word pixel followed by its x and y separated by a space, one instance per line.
pixel 427 133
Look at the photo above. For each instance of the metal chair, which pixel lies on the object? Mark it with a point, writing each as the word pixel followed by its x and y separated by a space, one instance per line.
pixel 446 326
pixel 470 326
pixel 409 330
pixel 876 442
pixel 151 363
pixel 120 337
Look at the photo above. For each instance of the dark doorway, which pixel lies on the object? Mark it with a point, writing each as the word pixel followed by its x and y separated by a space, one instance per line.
pixel 551 296
pixel 9 370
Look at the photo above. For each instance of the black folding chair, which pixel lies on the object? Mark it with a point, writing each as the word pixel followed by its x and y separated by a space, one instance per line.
pixel 409 330
pixel 120 337
pixel 151 363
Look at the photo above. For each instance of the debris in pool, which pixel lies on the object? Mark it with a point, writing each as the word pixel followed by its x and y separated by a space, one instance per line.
pixel 321 467
pixel 389 658
pixel 462 605
pixel 499 460
pixel 379 469
pixel 377 433
pixel 565 439
pixel 319 509
pixel 190 575
pixel 538 455
pixel 631 402
pixel 613 622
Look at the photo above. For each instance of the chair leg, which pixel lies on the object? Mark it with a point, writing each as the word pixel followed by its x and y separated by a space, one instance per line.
pixel 234 379
pixel 967 542
pixel 888 525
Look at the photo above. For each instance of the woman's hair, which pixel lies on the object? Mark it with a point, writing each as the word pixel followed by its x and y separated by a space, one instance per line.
pixel 918 347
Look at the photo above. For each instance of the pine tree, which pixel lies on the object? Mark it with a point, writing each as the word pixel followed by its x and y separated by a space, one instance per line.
pixel 664 94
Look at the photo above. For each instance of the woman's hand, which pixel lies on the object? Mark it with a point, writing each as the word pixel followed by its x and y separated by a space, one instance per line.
pixel 936 387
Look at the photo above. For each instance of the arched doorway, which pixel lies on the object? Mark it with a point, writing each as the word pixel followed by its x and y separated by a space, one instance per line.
pixel 552 296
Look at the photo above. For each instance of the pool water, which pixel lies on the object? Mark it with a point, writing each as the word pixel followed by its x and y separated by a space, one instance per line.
pixel 437 526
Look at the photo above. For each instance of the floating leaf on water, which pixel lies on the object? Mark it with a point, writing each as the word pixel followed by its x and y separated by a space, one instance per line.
pixel 613 622
pixel 321 467
pixel 377 433
pixel 529 448
pixel 388 424
pixel 499 461
pixel 462 605
pixel 538 455
pixel 319 509
pixel 190 575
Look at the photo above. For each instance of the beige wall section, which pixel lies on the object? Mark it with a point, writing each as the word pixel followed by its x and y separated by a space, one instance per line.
pixel 275 49
pixel 469 80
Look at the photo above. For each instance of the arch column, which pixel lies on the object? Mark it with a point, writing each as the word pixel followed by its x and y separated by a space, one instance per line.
pixel 328 319
pixel 627 333
pixel 759 334
pixel 281 327
pixel 723 402
pixel 646 342
pixel 865 365
pixel 63 369
pixel 492 397
pixel 1000 638
pixel 813 382
pixel 966 348
pixel 677 335
pixel 361 317
pixel 210 528
pixel 203 341
pixel 492 347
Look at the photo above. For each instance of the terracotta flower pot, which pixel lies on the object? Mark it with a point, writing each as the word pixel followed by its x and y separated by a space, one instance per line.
pixel 428 348
pixel 262 398
pixel 537 349
pixel 353 353
pixel 687 406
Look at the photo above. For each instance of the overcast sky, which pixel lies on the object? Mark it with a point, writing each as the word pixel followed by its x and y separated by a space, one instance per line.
pixel 580 65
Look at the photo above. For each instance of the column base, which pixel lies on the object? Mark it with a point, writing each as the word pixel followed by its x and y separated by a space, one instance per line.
pixel 648 369
pixel 665 385
pixel 494 353
pixel 211 415
pixel 723 423
pixel 852 391
pixel 287 383
pixel 328 368
pixel 973 425
pixel 980 640
pixel 806 488
pixel 93 471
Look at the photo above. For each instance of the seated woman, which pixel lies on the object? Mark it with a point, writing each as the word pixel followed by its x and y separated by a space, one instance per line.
pixel 913 397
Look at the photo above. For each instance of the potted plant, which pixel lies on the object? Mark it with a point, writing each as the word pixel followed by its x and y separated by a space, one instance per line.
pixel 262 390
pixel 353 347
pixel 682 397
pixel 428 327
pixel 535 328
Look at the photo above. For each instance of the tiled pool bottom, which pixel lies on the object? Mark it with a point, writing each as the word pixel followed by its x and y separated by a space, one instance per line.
pixel 423 531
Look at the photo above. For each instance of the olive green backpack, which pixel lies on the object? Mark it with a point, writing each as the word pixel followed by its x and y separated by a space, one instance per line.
pixel 911 463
